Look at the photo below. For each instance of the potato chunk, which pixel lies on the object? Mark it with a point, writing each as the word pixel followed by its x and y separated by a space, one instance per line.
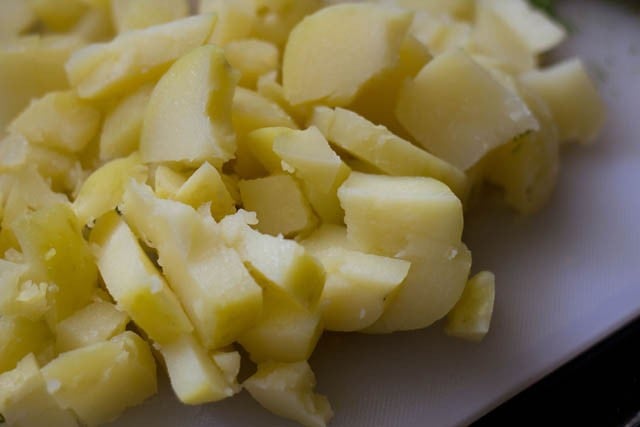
pixel 100 381
pixel 286 389
pixel 135 283
pixel 480 114
pixel 471 317
pixel 205 185
pixel 188 118
pixel 19 337
pixel 137 14
pixel 253 58
pixel 333 53
pixel 25 401
pixel 131 59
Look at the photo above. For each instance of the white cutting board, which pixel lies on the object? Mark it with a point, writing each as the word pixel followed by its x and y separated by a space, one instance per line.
pixel 566 278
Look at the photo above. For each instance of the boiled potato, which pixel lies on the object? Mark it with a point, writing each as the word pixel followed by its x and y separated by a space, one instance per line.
pixel 135 283
pixel 19 337
pixel 471 317
pixel 191 103
pixel 571 96
pixel 25 401
pixel 437 94
pixel 276 18
pixel 204 186
pixel 195 377
pixel 114 375
pixel 286 389
pixel 131 59
pixel 167 182
pixel 460 9
pixel 269 87
pixel 236 19
pixel 333 53
pixel 98 321
pixel 209 278
pixel 253 58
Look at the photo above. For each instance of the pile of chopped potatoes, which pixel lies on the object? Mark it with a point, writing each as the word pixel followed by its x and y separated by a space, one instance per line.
pixel 176 187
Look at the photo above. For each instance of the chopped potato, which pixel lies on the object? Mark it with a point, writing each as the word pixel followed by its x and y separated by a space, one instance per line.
pixel 137 14
pixel 253 58
pixel 471 317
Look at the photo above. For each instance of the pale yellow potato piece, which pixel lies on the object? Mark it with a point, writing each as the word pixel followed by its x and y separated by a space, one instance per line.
pixel 100 381
pixel 95 25
pixel 57 15
pixel 134 58
pixel 15 17
pixel 58 120
pixel 98 321
pixel 205 185
pixel 470 319
pixel 276 261
pixel 333 53
pixel 269 87
pixel 16 153
pixel 52 243
pixel 377 101
pixel 194 376
pixel 357 287
pixel 276 18
pixel 480 113
pixel 434 284
pixel 229 363
pixel 536 30
pixel 192 104
pixel 327 236
pixel 120 135
pixel 527 168
pixel 214 287
pixel 308 156
pixel 572 97
pixel 137 14
pixel 253 58
pixel 167 182
pixel 19 337
pixel 11 281
pixel 287 390
pixel 103 189
pixel 251 111
pixel 260 144
pixel 134 282
pixel 285 331
pixel 236 19
pixel 492 34
pixel 422 211
pixel 441 33
pixel 25 401
pixel 280 204
pixel 29 68
pixel 380 148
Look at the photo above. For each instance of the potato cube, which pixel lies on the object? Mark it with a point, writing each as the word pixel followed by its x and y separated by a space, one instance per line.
pixel 434 284
pixel 59 120
pixel 357 287
pixel 20 336
pixel 422 210
pixel 333 53
pixel 285 331
pixel 137 14
pixel 167 182
pixel 103 189
pixel 229 363
pixel 253 58
pixel 276 262
pixel 458 112
pixel 572 97
pixel 385 151
pixel 99 321
pixel 205 185
pixel 100 381
pixel 327 236
pixel 195 378
pixel 25 401
pixel 216 290
pixel 471 317
pixel 135 283
pixel 287 390
pixel 251 111
pixel 192 104
pixel 122 126
pixel 29 68
pixel 52 243
pixel 131 59
pixel 280 204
